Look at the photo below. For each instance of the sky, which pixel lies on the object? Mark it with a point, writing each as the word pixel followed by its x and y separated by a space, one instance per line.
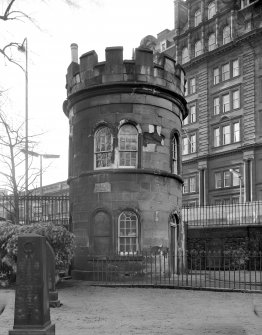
pixel 93 25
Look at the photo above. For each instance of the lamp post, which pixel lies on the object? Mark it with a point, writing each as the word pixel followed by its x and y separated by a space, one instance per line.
pixel 237 174
pixel 24 48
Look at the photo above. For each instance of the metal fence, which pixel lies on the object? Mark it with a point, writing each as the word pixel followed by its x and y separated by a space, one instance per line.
pixel 240 272
pixel 30 209
pixel 224 215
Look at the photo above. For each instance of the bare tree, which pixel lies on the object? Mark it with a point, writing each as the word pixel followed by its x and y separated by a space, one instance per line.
pixel 12 144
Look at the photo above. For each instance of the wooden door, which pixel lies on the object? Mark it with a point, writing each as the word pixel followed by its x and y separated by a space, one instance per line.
pixel 102 234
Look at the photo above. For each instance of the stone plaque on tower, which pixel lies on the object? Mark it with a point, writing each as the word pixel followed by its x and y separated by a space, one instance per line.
pixel 32 314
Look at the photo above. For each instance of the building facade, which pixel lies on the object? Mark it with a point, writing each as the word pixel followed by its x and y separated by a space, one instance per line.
pixel 219 45
pixel 125 180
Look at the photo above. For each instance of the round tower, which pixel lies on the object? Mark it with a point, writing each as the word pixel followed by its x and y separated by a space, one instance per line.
pixel 125 180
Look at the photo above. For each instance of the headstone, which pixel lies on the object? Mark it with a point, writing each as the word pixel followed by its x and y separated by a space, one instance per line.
pixel 53 294
pixel 32 313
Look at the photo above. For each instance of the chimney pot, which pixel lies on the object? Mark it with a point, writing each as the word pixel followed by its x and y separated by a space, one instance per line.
pixel 74 53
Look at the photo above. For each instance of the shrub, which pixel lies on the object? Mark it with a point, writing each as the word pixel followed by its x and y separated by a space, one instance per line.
pixel 61 240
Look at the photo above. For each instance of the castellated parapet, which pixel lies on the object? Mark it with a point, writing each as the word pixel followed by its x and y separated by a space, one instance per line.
pixel 161 78
pixel 125 172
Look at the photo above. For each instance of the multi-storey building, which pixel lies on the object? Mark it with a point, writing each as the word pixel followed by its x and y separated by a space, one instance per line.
pixel 219 44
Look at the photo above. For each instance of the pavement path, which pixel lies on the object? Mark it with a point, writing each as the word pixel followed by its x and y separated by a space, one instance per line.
pixel 94 310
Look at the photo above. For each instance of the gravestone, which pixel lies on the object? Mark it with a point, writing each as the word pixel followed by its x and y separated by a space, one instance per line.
pixel 53 294
pixel 32 313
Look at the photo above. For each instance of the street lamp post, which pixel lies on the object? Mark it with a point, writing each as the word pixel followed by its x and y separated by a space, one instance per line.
pixel 24 48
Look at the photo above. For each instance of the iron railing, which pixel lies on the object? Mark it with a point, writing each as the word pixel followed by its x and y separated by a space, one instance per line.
pixel 30 209
pixel 249 213
pixel 221 271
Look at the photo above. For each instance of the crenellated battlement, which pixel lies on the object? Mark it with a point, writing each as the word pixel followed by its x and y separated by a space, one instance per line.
pixel 88 72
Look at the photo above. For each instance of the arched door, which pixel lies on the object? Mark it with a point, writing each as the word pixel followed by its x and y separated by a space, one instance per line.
pixel 102 233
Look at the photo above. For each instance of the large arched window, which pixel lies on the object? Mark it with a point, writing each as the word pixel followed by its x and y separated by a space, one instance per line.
pixel 175 154
pixel 103 147
pixel 211 10
pixel 197 17
pixel 127 232
pixel 211 42
pixel 198 48
pixel 226 35
pixel 128 146
pixel 185 56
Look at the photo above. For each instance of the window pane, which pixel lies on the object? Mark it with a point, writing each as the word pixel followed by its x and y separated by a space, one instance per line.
pixel 236 129
pixel 198 48
pixel 192 184
pixel 216 76
pixel 186 186
pixel 226 35
pixel 185 146
pixel 218 181
pixel 236 99
pixel 128 145
pixel 225 72
pixel 216 137
pixel 185 56
pixel 226 104
pixel 128 232
pixel 211 10
pixel 197 17
pixel 216 106
pixel 211 42
pixel 103 147
pixel 193 114
pixel 236 181
pixel 226 135
pixel 226 179
pixel 193 143
pixel 192 87
pixel 235 68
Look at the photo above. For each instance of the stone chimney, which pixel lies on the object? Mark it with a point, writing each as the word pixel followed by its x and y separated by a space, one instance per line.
pixel 74 52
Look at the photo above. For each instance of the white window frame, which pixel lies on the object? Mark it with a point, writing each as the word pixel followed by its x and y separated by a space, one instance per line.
pixel 122 137
pixel 192 113
pixel 216 135
pixel 192 143
pixel 235 67
pixel 99 151
pixel 226 134
pixel 197 17
pixel 211 10
pixel 198 48
pixel 130 216
pixel 185 55
pixel 225 72
pixel 211 43
pixel 236 132
pixel 186 186
pixel 236 99
pixel 218 180
pixel 192 85
pixel 185 146
pixel 192 184
pixel 216 76
pixel 216 105
pixel 226 179
pixel 226 34
pixel 226 103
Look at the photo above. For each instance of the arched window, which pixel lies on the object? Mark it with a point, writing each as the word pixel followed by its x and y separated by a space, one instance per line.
pixel 198 48
pixel 197 17
pixel 128 146
pixel 226 35
pixel 175 154
pixel 127 232
pixel 103 147
pixel 185 56
pixel 211 10
pixel 211 42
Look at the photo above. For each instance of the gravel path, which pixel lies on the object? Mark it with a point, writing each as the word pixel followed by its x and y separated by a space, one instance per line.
pixel 103 310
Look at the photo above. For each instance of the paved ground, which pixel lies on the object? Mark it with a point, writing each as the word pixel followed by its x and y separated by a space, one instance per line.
pixel 103 310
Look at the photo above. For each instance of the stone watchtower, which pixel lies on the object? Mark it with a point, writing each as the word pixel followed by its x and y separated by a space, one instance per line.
pixel 125 180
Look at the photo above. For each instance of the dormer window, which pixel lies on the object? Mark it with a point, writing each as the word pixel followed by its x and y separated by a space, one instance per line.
pixel 211 10
pixel 197 17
